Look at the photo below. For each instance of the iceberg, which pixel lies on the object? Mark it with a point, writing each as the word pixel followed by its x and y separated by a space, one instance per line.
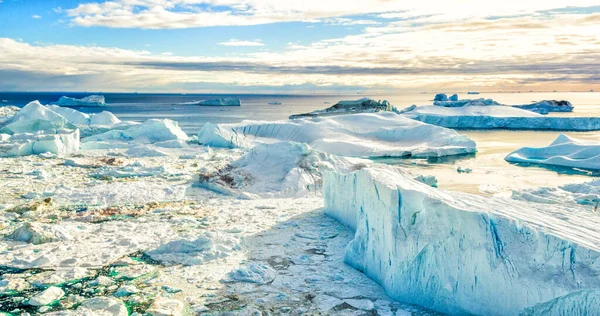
pixel 220 102
pixel 382 134
pixel 152 131
pixel 454 102
pixel 275 103
pixel 546 106
pixel 563 152
pixel 35 117
pixel 364 105
pixel 92 100
pixel 440 97
pixel 499 117
pixel 61 143
pixel 459 253
pixel 7 113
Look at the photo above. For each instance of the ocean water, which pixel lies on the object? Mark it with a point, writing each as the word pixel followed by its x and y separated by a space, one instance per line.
pixel 491 173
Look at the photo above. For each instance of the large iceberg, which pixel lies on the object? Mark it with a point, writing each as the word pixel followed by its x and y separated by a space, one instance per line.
pixel 218 102
pixel 92 100
pixel 359 135
pixel 546 106
pixel 459 253
pixel 364 105
pixel 152 131
pixel 499 117
pixel 563 152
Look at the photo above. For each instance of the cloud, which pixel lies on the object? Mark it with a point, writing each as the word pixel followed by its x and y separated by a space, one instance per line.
pixel 35 16
pixel 235 42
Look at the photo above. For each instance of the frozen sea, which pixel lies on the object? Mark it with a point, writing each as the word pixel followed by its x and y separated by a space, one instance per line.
pixel 491 174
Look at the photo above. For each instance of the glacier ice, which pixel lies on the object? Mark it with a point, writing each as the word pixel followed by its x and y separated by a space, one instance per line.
pixel 459 253
pixel 546 106
pixel 564 151
pixel 360 135
pixel 92 100
pixel 499 117
pixel 364 105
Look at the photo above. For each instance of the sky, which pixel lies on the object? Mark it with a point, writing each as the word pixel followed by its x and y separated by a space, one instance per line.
pixel 299 46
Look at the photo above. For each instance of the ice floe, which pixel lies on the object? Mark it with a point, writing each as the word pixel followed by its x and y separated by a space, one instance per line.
pixel 364 105
pixel 92 100
pixel 459 253
pixel 499 117
pixel 564 151
pixel 359 135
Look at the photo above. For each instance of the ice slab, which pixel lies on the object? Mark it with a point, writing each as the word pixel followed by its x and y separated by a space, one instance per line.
pixel 499 117
pixel 92 100
pixel 359 135
pixel 565 151
pixel 465 254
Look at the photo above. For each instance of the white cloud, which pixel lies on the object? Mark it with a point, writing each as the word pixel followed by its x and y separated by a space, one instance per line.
pixel 235 42
pixel 35 16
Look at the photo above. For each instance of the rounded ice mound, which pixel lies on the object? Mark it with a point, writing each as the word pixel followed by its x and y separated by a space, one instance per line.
pixel 92 100
pixel 104 118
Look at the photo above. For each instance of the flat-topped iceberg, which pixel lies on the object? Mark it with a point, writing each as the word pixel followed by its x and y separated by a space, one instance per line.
pixel 459 253
pixel 499 117
pixel 563 152
pixel 359 135
pixel 546 106
pixel 218 102
pixel 364 105
pixel 92 100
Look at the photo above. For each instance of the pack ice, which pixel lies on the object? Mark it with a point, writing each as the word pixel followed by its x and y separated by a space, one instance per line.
pixel 92 100
pixel 364 105
pixel 499 117
pixel 359 135
pixel 465 254
pixel 563 152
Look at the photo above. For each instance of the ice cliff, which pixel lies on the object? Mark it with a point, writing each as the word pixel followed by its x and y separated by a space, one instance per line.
pixel 364 105
pixel 359 135
pixel 563 152
pixel 92 100
pixel 465 254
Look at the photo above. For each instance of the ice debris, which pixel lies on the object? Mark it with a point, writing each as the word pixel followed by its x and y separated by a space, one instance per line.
pixel 258 273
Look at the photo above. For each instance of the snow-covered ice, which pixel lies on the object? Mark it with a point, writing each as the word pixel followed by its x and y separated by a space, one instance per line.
pixel 565 151
pixel 499 117
pixel 364 105
pixel 359 135
pixel 92 100
pixel 465 254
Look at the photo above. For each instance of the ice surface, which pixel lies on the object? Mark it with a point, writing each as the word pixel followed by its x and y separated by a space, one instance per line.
pixel 359 135
pixel 563 152
pixel 465 254
pixel 499 117
pixel 364 105
pixel 217 102
pixel 545 106
pixel 92 100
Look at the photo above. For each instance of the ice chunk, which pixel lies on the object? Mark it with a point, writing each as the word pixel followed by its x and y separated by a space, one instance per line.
pixel 104 306
pixel 218 102
pixel 454 102
pixel 36 117
pixel 36 233
pixel 151 131
pixel 440 97
pixel 563 152
pixel 364 105
pixel 46 297
pixel 60 143
pixel 499 117
pixel 453 97
pixel 545 106
pixel 166 307
pixel 7 113
pixel 459 253
pixel 359 135
pixel 92 100
pixel 258 273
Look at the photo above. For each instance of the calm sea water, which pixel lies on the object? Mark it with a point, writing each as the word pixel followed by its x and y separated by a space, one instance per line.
pixel 491 173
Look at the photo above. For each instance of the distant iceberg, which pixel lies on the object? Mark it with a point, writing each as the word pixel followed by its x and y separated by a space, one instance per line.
pixel 360 135
pixel 499 117
pixel 472 92
pixel 218 102
pixel 546 106
pixel 465 254
pixel 364 105
pixel 92 100
pixel 275 103
pixel 564 152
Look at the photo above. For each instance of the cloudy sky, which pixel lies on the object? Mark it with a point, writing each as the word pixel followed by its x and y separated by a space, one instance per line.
pixel 299 46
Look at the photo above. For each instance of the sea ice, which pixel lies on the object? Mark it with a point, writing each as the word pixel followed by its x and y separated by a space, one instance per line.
pixel 563 152
pixel 364 105
pixel 459 253
pixel 360 135
pixel 92 100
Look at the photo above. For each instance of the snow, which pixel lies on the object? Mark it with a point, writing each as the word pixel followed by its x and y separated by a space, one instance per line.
pixel 359 135
pixel 364 105
pixel 92 100
pixel 545 106
pixel 465 254
pixel 565 151
pixel 499 117
pixel 220 102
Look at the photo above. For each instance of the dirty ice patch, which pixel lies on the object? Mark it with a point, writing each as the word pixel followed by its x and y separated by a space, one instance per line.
pixel 359 135
pixel 565 151
pixel 283 169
